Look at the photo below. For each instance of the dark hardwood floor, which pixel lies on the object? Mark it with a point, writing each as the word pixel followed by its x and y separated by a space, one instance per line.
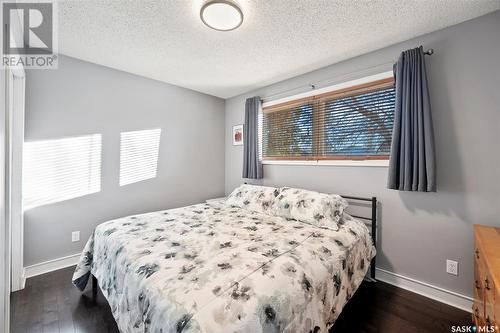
pixel 50 303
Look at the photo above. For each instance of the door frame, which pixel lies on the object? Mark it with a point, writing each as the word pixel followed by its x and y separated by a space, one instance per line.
pixel 16 83
pixel 12 107
pixel 4 225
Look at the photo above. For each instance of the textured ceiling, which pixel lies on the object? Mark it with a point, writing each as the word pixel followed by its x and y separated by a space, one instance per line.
pixel 166 40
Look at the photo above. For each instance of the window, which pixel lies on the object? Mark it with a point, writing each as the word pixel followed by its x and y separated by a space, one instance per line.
pixel 139 155
pixel 61 169
pixel 353 123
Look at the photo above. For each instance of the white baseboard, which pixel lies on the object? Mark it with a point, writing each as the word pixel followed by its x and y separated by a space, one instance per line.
pixel 23 279
pixel 439 294
pixel 422 288
pixel 21 282
pixel 51 265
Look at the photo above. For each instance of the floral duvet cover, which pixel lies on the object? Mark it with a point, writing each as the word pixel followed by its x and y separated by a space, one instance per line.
pixel 216 268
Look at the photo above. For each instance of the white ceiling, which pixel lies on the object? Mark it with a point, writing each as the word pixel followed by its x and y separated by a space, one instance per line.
pixel 279 39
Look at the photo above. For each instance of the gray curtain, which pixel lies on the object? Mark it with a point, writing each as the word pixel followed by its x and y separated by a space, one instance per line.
pixel 412 165
pixel 252 165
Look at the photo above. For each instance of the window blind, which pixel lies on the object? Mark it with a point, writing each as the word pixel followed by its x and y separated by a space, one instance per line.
pixel 351 123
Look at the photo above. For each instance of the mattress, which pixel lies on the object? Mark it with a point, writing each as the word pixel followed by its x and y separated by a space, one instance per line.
pixel 217 268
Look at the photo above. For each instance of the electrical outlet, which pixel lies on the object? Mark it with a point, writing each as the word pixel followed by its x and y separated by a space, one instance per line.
pixel 75 236
pixel 452 267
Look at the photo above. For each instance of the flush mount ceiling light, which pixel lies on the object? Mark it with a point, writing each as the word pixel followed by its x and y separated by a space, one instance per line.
pixel 222 15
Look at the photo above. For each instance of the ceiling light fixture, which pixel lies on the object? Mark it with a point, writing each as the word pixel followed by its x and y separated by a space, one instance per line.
pixel 222 15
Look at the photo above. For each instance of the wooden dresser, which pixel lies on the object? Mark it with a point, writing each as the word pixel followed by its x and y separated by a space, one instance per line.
pixel 486 306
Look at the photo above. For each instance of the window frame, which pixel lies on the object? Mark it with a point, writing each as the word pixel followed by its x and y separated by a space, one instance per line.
pixel 333 91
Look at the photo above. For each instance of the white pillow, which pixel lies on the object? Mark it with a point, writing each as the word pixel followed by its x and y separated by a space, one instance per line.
pixel 254 198
pixel 319 209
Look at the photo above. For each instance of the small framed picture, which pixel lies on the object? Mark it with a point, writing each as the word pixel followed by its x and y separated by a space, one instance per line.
pixel 237 135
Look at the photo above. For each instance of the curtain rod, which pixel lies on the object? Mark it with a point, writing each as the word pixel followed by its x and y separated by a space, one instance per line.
pixel 314 85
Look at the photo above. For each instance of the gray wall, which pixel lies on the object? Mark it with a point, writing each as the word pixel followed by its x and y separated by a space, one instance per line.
pixel 82 98
pixel 419 231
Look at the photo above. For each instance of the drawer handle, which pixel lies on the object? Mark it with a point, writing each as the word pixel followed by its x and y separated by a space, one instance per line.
pixel 477 253
pixel 486 284
pixel 476 311
pixel 477 284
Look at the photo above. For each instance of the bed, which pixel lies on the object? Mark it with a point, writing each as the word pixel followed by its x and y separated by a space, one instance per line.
pixel 216 267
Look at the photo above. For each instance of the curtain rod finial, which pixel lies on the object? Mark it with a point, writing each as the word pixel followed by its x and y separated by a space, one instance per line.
pixel 429 52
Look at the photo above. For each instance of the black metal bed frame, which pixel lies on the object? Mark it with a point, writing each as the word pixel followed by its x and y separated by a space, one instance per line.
pixel 94 286
pixel 372 219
